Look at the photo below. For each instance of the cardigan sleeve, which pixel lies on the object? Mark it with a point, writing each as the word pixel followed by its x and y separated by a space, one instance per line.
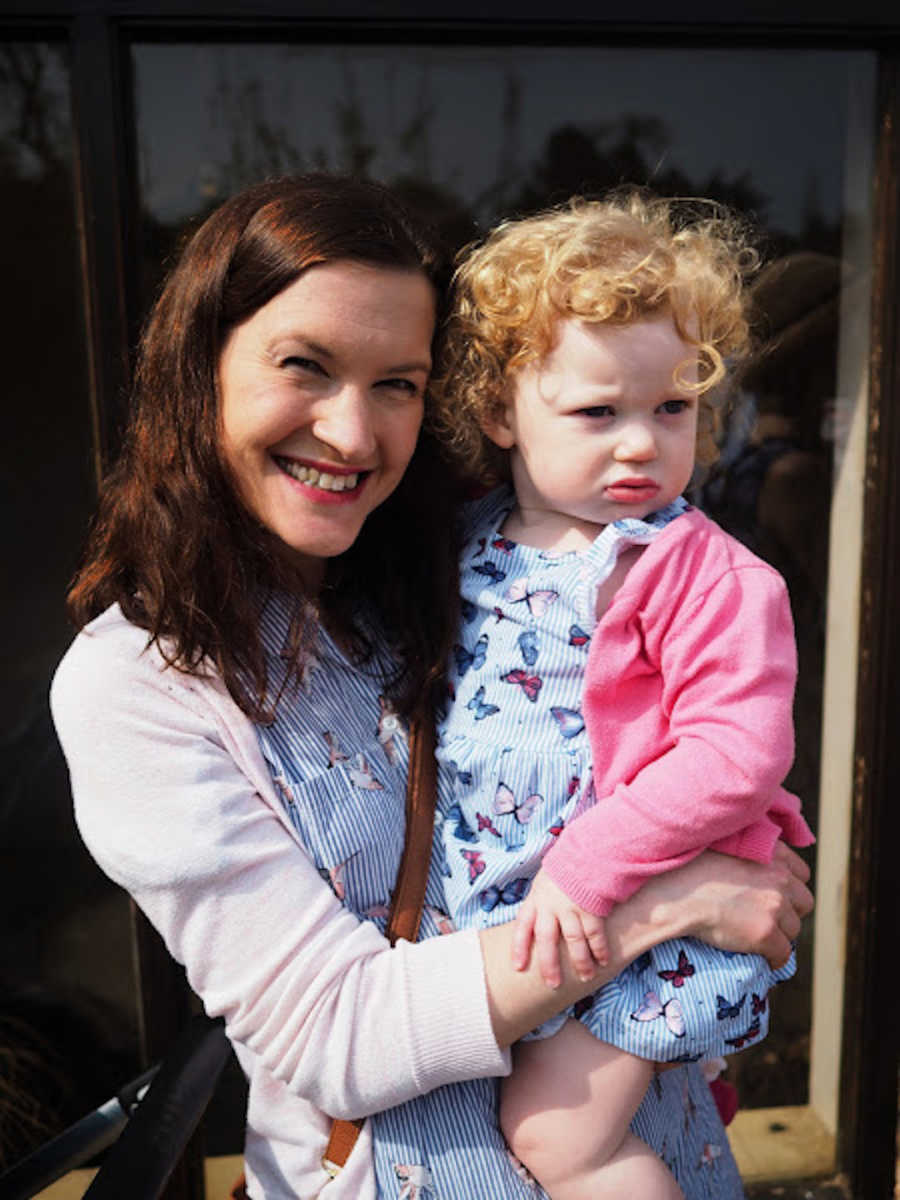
pixel 728 666
pixel 168 806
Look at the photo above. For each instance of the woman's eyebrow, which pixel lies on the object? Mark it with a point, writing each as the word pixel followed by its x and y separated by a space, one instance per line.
pixel 312 347
pixel 423 364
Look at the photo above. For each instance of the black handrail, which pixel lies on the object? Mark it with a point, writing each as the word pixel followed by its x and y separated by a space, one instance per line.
pixel 76 1145
pixel 140 1163
pixel 147 1123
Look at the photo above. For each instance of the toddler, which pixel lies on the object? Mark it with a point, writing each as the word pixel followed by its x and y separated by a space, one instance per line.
pixel 623 679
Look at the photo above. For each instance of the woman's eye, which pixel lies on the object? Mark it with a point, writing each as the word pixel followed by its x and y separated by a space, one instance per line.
pixel 400 385
pixel 672 407
pixel 304 364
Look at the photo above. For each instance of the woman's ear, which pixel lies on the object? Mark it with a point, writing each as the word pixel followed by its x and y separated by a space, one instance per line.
pixel 498 426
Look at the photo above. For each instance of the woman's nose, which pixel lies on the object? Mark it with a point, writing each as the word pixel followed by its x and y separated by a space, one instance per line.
pixel 345 425
pixel 636 443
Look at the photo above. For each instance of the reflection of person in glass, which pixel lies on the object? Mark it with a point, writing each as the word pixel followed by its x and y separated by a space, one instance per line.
pixel 771 486
pixel 269 592
pixel 611 633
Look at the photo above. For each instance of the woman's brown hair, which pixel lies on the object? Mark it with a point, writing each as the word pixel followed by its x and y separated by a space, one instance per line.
pixel 173 545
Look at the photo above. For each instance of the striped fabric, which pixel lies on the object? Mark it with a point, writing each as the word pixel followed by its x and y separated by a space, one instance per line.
pixel 339 758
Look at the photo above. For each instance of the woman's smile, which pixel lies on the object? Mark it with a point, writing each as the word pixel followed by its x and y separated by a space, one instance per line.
pixel 336 483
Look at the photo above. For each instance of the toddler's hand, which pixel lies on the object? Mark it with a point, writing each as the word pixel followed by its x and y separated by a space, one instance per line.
pixel 546 914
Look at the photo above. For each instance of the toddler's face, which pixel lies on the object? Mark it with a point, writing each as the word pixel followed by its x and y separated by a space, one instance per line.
pixel 600 429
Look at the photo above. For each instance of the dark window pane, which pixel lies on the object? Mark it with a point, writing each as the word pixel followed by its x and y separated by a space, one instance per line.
pixel 67 1018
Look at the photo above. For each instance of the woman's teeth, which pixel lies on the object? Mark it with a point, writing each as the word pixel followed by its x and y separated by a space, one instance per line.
pixel 320 479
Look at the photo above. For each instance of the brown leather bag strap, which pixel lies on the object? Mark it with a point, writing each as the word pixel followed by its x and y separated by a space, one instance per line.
pixel 409 891
pixel 412 875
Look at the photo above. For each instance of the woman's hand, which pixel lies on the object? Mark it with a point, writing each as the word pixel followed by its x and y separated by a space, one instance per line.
pixel 731 903
pixel 752 908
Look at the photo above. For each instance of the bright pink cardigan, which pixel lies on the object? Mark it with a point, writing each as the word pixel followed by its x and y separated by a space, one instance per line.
pixel 687 701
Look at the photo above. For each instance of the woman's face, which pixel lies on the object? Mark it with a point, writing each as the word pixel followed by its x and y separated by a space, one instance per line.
pixel 321 399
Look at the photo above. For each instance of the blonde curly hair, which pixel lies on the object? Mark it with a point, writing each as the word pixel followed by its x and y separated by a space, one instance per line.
pixel 614 260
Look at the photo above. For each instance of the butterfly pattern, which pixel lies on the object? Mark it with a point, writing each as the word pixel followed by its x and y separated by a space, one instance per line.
pixel 390 729
pixel 486 823
pixel 285 791
pixel 726 1011
pixel 530 684
pixel 473 658
pixel 505 804
pixel 490 569
pixel 475 861
pixel 334 876
pixel 361 775
pixel 536 600
pixel 510 893
pixel 710 1153
pixel 569 721
pixel 416 1182
pixel 442 921
pixel 480 706
pixel 751 1032
pixel 462 829
pixel 652 1009
pixel 683 971
pixel 335 753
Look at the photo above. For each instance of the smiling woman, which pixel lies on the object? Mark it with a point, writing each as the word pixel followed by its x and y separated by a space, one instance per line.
pixel 295 328
pixel 322 399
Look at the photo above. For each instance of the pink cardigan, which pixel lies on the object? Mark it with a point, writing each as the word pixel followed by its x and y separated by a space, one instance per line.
pixel 688 692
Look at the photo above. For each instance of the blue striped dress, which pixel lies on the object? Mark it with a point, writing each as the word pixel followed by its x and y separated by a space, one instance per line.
pixel 338 756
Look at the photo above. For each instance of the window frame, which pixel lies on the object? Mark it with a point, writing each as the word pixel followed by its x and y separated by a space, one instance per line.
pixel 100 32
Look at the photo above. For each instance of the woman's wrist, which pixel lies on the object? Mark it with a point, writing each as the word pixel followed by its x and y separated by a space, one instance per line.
pixel 520 1000
pixel 748 907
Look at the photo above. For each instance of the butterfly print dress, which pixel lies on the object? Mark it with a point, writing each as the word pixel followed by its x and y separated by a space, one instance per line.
pixel 338 756
pixel 514 740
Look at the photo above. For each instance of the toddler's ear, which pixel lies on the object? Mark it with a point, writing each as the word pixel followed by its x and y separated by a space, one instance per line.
pixel 498 427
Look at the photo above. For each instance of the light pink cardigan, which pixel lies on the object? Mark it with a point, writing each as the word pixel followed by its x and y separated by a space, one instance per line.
pixel 175 802
pixel 687 701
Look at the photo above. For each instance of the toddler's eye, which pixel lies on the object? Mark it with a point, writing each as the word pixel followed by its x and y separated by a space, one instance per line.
pixel 597 410
pixel 672 407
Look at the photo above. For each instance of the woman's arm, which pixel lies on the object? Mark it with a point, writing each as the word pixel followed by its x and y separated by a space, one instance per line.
pixel 170 792
pixel 731 903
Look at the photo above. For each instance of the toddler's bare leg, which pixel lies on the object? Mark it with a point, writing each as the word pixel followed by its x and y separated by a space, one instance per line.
pixel 565 1112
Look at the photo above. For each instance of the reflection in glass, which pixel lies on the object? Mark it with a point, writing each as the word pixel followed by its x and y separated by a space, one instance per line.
pixel 472 134
pixel 65 1013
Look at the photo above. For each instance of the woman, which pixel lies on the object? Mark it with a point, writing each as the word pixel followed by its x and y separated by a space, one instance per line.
pixel 269 586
